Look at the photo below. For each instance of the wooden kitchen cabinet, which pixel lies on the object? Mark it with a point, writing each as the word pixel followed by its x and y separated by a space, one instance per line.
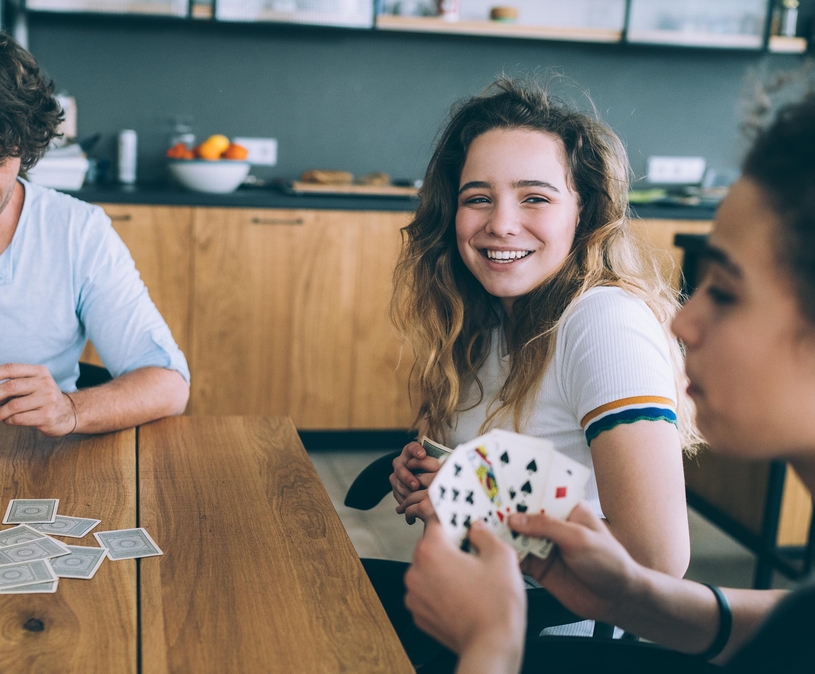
pixel 659 236
pixel 290 317
pixel 160 241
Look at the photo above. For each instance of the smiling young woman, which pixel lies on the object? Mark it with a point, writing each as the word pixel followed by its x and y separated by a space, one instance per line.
pixel 528 305
pixel 749 330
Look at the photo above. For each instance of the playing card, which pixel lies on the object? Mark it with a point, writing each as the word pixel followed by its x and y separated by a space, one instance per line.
pixel 48 587
pixel 482 455
pixel 128 544
pixel 501 473
pixel 82 562
pixel 524 462
pixel 28 573
pixel 39 548
pixel 73 527
pixel 31 510
pixel 19 534
pixel 459 500
pixel 565 488
pixel 435 449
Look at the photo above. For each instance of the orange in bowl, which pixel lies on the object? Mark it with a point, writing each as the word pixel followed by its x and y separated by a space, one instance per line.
pixel 235 151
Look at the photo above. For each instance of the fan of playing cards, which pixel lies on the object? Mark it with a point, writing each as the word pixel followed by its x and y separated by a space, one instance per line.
pixel 498 474
pixel 33 562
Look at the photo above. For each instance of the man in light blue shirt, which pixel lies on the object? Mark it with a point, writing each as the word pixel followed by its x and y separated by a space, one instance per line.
pixel 66 277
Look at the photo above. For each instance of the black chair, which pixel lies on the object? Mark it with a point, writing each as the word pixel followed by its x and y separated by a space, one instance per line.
pixel 92 375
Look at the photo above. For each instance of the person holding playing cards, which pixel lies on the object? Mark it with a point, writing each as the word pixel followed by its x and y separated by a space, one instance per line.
pixel 529 305
pixel 749 334
pixel 66 277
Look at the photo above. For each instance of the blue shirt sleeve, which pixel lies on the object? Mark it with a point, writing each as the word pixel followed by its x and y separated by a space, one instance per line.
pixel 115 308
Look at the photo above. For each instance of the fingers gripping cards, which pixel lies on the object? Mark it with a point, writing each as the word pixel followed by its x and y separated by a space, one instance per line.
pixel 501 473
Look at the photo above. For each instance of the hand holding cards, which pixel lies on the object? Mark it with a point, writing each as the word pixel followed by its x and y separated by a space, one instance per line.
pixel 502 473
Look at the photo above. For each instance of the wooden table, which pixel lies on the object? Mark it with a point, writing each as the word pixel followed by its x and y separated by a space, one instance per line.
pixel 258 574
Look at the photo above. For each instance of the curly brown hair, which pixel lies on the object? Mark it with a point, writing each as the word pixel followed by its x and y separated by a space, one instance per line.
pixel 29 113
pixel 782 162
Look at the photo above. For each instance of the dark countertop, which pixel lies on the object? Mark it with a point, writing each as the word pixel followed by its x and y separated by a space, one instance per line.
pixel 250 197
pixel 270 197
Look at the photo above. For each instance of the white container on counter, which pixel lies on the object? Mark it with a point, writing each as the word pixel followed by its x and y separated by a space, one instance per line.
pixel 127 156
pixel 60 173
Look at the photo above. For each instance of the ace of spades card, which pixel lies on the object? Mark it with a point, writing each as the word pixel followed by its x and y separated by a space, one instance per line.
pixel 459 500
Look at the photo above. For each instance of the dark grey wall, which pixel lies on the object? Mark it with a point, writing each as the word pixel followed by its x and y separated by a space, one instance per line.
pixel 367 101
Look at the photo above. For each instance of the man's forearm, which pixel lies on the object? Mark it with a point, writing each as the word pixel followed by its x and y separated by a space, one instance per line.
pixel 135 398
pixel 684 615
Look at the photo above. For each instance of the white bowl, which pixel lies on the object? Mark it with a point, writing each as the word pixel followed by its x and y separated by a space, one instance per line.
pixel 218 177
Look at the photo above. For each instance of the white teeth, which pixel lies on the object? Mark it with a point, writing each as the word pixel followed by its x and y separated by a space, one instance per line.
pixel 501 255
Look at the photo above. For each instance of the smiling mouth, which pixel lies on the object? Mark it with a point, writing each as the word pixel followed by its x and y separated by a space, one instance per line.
pixel 505 256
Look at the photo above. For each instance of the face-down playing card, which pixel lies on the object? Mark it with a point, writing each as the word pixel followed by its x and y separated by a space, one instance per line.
pixel 459 500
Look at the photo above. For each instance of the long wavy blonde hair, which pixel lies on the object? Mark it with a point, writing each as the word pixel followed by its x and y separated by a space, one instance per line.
pixel 445 315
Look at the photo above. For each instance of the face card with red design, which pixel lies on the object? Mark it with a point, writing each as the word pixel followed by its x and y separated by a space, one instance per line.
pixel 459 499
pixel 482 456
pixel 565 488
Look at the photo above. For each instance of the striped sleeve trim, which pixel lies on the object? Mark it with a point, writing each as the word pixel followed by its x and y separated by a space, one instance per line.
pixel 627 411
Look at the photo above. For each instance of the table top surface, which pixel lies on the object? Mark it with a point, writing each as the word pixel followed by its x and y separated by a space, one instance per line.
pixel 257 575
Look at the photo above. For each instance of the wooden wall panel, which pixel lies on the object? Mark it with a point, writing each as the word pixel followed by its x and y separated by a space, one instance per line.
pixel 659 235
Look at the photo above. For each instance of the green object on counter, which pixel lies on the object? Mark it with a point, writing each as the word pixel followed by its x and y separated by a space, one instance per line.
pixel 646 196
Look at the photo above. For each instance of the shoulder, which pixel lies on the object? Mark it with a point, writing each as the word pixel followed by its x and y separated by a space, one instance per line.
pixel 60 210
pixel 606 310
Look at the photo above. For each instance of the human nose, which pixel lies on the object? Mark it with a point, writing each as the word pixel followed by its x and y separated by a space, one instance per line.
pixel 687 324
pixel 504 220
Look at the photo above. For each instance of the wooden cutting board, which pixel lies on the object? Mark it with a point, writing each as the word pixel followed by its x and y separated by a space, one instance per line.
pixel 298 187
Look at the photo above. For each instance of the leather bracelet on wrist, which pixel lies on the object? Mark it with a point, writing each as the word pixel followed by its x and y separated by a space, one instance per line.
pixel 76 414
pixel 725 624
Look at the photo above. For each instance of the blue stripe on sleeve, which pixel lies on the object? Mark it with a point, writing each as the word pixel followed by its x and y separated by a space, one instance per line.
pixel 629 416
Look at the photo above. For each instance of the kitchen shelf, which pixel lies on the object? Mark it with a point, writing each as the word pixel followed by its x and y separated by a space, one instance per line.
pixel 433 24
pixel 787 45
pixel 173 8
pixel 690 39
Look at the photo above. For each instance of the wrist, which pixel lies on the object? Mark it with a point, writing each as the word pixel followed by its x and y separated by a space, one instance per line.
pixel 638 593
pixel 499 651
pixel 74 414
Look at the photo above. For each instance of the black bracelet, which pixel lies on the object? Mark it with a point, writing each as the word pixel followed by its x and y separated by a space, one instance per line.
pixel 725 625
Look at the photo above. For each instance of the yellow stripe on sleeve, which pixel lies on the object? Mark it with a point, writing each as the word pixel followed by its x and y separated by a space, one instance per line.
pixel 616 404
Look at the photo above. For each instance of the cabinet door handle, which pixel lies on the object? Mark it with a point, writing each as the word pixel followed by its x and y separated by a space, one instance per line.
pixel 120 218
pixel 277 221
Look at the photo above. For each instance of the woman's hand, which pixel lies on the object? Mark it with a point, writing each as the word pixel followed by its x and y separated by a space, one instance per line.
pixel 473 604
pixel 410 488
pixel 590 572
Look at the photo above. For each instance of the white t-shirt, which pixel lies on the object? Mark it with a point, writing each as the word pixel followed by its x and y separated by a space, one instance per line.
pixel 611 365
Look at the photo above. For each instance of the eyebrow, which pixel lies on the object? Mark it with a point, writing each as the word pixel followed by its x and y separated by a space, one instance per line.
pixel 718 256
pixel 480 184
